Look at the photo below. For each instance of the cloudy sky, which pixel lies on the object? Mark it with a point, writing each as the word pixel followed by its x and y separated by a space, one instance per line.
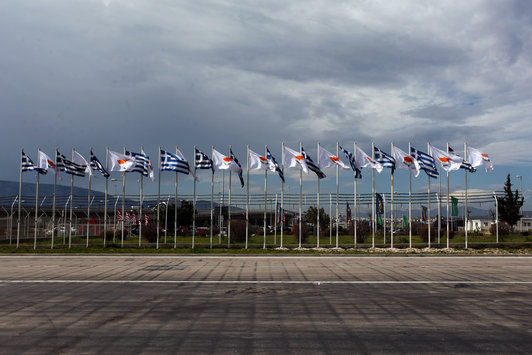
pixel 115 73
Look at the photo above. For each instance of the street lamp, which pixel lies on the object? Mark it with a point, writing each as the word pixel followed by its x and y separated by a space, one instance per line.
pixel 521 192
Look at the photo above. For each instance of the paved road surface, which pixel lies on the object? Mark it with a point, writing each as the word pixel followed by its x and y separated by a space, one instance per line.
pixel 205 304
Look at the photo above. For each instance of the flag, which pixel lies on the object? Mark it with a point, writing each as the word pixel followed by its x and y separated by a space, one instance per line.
pixel 328 160
pixel 272 160
pixel 379 220
pixel 133 218
pixel 221 162
pixel 176 162
pixel 80 160
pixel 454 206
pixel 127 217
pixel 120 162
pixel 405 161
pixel 426 162
pixel 477 158
pixel 424 213
pixel 119 215
pixel 405 221
pixel 46 163
pixel 351 158
pixel 258 162
pixel 142 164
pixel 386 160
pixel 294 159
pixel 63 164
pixel 465 165
pixel 310 164
pixel 447 162
pixel 145 219
pixel 27 164
pixel 379 204
pixel 203 161
pixel 239 167
pixel 96 165
pixel 363 160
pixel 347 212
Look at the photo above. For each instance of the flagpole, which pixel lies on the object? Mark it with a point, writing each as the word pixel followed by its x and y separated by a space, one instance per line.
pixel 410 202
pixel 229 209
pixel 275 223
pixel 373 215
pixel 355 196
pixel 318 203
pixel 124 206
pixel 212 202
pixel 194 203
pixel 221 209
pixel 265 197
pixel 247 194
pixel 19 199
pixel 158 197
pixel 466 198
pixel 392 201
pixel 330 219
pixel 105 202
pixel 337 194
pixel 428 198
pixel 300 196
pixel 53 200
pixel 141 196
pixel 282 195
pixel 447 203
pixel 175 203
pixel 71 206
pixel 384 217
pixel 36 207
pixel 89 208
pixel 439 214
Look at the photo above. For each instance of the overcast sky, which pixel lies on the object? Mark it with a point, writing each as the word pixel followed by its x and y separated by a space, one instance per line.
pixel 165 73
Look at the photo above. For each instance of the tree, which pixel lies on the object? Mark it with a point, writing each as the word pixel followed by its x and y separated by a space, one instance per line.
pixel 311 217
pixel 184 215
pixel 510 204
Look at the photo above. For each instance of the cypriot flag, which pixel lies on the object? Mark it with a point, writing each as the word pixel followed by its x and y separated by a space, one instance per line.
pixel 120 162
pixel 363 160
pixel 405 161
pixel 47 163
pixel 448 162
pixel 293 159
pixel 328 160
pixel 221 162
pixel 258 162
pixel 477 158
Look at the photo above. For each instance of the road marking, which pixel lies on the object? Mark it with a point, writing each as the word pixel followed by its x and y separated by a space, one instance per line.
pixel 281 282
pixel 279 256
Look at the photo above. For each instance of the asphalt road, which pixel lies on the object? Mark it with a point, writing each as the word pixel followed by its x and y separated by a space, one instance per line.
pixel 205 304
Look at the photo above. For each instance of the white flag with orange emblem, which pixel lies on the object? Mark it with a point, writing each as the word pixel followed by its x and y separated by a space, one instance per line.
pixel 221 162
pixel 447 162
pixel 405 161
pixel 363 160
pixel 293 159
pixel 328 160
pixel 120 162
pixel 477 158
pixel 258 162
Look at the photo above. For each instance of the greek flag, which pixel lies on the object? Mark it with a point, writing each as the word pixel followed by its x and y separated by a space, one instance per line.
pixel 426 162
pixel 312 166
pixel 203 161
pixel 465 165
pixel 171 162
pixel 96 165
pixel 240 166
pixel 63 164
pixel 270 157
pixel 142 162
pixel 351 158
pixel 386 160
pixel 27 164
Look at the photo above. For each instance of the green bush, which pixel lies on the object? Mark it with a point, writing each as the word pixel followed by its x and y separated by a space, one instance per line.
pixel 305 232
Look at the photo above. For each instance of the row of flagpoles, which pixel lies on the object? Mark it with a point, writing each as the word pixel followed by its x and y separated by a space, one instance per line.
pixel 414 161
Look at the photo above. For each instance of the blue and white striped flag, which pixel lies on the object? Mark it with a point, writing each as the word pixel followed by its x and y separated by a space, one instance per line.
pixel 465 165
pixel 142 164
pixel 203 161
pixel 96 165
pixel 313 167
pixel 171 162
pixel 426 162
pixel 63 164
pixel 351 158
pixel 28 165
pixel 386 160
pixel 240 166
pixel 270 157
